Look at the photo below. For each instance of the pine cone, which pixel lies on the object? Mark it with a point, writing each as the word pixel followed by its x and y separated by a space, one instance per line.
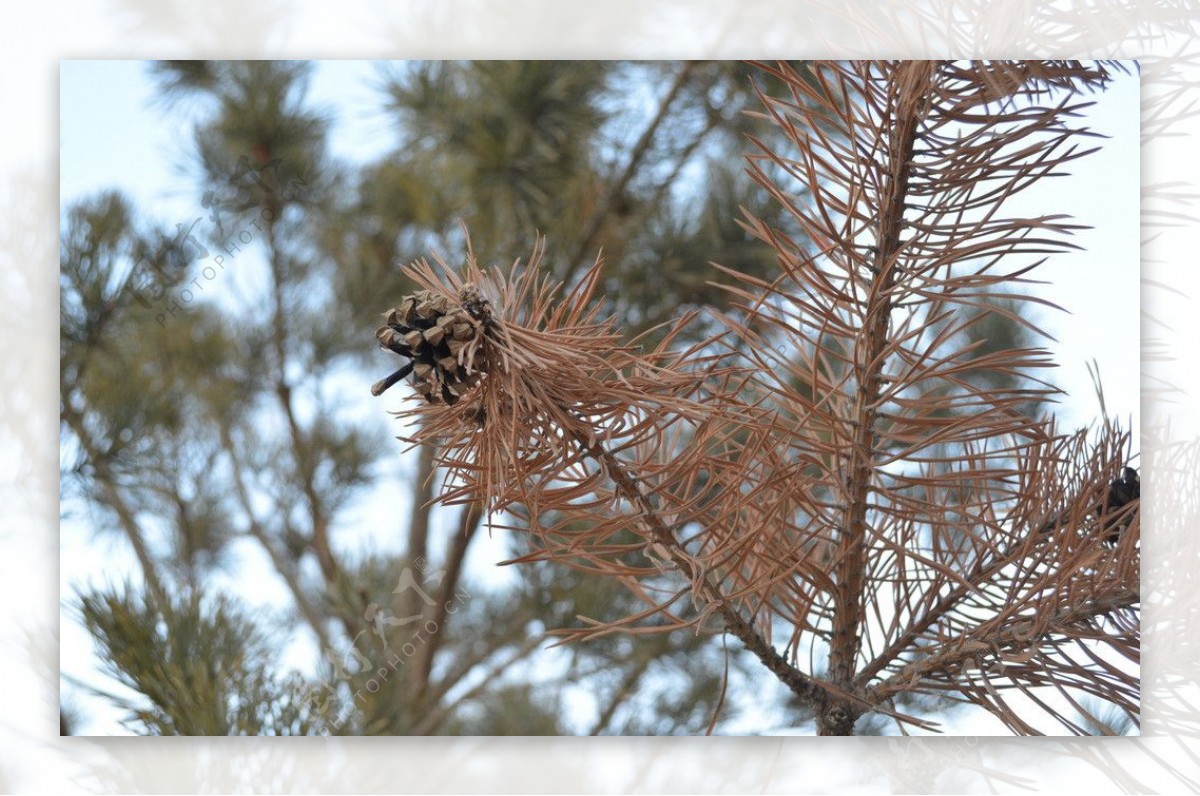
pixel 442 340
pixel 1121 493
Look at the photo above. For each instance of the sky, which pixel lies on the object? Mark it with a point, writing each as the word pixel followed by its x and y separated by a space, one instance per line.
pixel 115 134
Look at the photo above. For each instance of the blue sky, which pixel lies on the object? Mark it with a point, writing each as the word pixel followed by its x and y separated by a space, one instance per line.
pixel 114 134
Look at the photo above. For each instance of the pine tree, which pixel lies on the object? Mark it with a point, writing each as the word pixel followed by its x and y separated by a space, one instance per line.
pixel 199 424
pixel 683 451
pixel 844 473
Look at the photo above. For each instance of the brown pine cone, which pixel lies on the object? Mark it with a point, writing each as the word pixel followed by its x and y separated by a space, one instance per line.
pixel 442 340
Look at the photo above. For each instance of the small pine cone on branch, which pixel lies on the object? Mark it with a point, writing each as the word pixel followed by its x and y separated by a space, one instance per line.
pixel 442 341
pixel 1121 492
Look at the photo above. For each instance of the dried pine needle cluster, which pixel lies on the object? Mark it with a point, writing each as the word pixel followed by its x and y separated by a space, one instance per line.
pixel 834 474
pixel 544 370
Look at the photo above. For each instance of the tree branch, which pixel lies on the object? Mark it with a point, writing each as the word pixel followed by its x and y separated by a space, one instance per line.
pixel 116 501
pixel 1018 636
pixel 622 693
pixel 418 518
pixel 639 152
pixel 850 566
pixel 283 391
pixel 806 688
pixel 435 717
pixel 283 566
pixel 468 525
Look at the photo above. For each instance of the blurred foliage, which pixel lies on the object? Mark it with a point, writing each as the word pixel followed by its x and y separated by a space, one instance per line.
pixel 596 156
pixel 198 431
pixel 202 667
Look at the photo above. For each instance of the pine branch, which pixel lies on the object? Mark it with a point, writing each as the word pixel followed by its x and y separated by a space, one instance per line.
pixel 1018 640
pixel 283 392
pixel 624 690
pixel 286 568
pixel 850 570
pixel 418 523
pixel 849 460
pixel 639 152
pixel 116 501
pixel 808 689
pixel 445 709
pixel 468 525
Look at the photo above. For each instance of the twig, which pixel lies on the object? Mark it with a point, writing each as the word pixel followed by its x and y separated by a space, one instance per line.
pixel 622 693
pixel 640 150
pixel 1009 637
pixel 125 515
pixel 805 687
pixel 284 567
pixel 283 390
pixel 435 717
pixel 468 524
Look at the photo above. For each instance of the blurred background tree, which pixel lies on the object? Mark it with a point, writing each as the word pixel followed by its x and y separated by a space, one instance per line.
pixel 217 433
pixel 214 432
